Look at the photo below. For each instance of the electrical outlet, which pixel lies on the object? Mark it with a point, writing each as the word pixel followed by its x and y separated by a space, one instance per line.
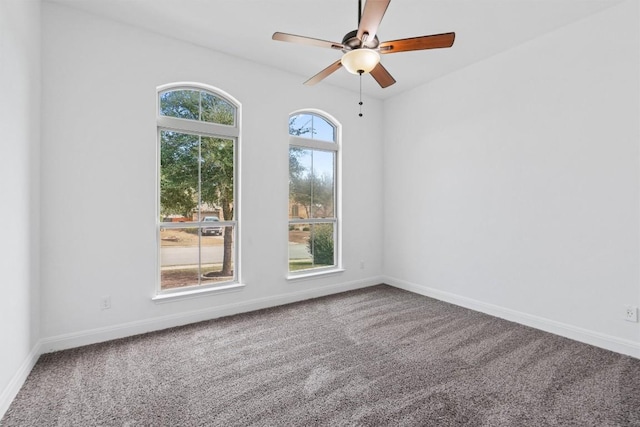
pixel 630 313
pixel 361 265
pixel 105 303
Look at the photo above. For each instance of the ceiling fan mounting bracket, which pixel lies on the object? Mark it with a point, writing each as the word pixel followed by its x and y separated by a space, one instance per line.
pixel 351 41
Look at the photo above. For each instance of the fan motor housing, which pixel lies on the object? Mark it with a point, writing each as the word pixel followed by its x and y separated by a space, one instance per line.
pixel 351 41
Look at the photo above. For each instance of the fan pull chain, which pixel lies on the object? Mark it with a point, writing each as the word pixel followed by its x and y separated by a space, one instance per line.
pixel 360 103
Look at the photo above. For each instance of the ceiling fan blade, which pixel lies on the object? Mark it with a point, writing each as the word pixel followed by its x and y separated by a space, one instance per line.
pixel 292 38
pixel 371 16
pixel 435 41
pixel 382 76
pixel 324 73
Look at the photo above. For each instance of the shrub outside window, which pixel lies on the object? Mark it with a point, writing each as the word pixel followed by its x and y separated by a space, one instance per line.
pixel 313 198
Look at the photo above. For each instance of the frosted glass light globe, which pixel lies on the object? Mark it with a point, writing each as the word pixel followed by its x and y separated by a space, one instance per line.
pixel 360 60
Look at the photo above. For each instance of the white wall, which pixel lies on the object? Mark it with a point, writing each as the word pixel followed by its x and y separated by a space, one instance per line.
pixel 511 186
pixel 19 211
pixel 99 189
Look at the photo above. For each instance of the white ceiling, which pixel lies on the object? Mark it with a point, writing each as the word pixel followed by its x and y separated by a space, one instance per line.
pixel 243 28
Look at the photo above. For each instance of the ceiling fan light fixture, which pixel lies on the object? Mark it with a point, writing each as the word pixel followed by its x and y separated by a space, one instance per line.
pixel 360 60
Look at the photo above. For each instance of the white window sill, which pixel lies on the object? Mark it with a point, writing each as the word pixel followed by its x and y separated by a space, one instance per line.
pixel 314 274
pixel 196 293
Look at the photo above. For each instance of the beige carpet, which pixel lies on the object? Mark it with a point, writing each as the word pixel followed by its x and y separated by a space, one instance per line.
pixel 377 356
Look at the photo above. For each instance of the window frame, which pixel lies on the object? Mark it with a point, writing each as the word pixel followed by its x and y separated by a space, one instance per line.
pixel 335 148
pixel 200 129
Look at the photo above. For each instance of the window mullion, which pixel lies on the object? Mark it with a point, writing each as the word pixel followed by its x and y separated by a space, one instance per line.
pixel 312 143
pixel 311 195
pixel 313 244
pixel 205 128
pixel 200 205
pixel 313 220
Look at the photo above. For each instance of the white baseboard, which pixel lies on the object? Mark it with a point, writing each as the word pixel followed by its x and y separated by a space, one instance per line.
pixel 92 336
pixel 608 342
pixel 12 389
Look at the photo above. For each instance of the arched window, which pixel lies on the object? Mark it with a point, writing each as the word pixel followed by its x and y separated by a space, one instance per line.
pixel 313 193
pixel 198 130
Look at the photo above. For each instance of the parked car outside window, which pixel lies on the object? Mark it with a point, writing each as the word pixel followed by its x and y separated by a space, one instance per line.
pixel 211 231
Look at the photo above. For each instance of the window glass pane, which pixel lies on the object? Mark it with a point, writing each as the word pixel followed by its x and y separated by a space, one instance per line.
pixel 321 244
pixel 322 197
pixel 217 256
pixel 178 176
pixel 217 155
pixel 300 125
pixel 192 256
pixel 179 258
pixel 311 126
pixel 300 181
pixel 323 130
pixel 311 183
pixel 299 253
pixel 197 105
pixel 183 104
pixel 217 110
pixel 311 246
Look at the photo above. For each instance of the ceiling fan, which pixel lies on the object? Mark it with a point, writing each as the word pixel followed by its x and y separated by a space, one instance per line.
pixel 361 48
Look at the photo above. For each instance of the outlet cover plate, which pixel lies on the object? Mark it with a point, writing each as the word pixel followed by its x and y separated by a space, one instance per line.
pixel 630 313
